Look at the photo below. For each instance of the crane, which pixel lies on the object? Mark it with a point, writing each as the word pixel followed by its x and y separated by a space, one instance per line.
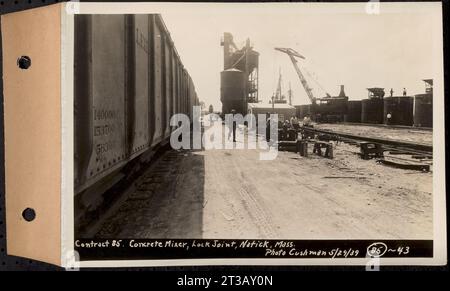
pixel 293 55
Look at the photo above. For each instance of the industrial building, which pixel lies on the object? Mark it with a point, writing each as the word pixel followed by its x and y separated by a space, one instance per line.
pixel 239 78
pixel 284 111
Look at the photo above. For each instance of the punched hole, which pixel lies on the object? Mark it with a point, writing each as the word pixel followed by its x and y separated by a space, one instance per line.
pixel 29 214
pixel 24 62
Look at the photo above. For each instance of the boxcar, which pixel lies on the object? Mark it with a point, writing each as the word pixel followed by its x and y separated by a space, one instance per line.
pixel 129 80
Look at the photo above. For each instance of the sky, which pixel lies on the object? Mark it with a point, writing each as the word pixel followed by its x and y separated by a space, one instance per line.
pixel 392 49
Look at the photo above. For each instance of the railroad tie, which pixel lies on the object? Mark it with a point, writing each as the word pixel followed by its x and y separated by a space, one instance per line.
pixel 318 145
pixel 370 150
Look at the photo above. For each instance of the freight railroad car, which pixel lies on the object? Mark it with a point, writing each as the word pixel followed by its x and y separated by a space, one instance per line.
pixel 129 81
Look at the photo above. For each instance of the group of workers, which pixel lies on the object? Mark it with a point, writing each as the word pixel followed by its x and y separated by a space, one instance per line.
pixel 392 92
pixel 293 123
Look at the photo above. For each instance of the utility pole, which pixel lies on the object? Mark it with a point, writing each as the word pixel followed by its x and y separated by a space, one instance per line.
pixel 273 103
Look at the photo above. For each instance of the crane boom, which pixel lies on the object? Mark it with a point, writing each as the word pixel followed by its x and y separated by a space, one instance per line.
pixel 292 54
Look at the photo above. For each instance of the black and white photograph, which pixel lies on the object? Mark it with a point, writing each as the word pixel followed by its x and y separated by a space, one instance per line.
pixel 229 137
pixel 264 130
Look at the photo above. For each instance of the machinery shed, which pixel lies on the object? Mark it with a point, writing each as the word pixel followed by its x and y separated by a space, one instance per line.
pixel 284 111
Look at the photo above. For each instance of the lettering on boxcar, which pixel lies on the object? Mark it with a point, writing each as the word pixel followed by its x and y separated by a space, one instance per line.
pixel 141 40
pixel 103 148
pixel 105 114
pixel 104 130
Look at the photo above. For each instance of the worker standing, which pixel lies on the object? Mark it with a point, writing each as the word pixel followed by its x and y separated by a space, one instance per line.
pixel 286 127
pixel 307 120
pixel 388 118
pixel 392 92
pixel 404 91
pixel 294 122
pixel 268 119
pixel 232 127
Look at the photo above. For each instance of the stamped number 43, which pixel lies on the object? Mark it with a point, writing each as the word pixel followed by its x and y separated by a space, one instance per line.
pixel 400 250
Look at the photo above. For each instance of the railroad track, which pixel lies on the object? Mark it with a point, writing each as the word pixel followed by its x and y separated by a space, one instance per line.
pixel 388 144
pixel 413 155
pixel 388 126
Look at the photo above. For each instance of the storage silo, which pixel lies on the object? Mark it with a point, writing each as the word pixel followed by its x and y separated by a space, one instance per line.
pixel 372 111
pixel 232 91
pixel 372 108
pixel 354 111
pixel 423 106
pixel 400 109
pixel 423 110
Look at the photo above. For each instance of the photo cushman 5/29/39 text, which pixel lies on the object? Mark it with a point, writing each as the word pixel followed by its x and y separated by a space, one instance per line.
pixel 266 248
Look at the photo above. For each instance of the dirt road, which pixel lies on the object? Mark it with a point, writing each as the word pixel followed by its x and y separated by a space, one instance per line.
pixel 233 194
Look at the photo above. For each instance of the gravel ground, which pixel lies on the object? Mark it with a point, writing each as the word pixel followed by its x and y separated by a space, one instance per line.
pixel 233 194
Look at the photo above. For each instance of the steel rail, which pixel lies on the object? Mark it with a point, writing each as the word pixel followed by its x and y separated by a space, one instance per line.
pixel 419 148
